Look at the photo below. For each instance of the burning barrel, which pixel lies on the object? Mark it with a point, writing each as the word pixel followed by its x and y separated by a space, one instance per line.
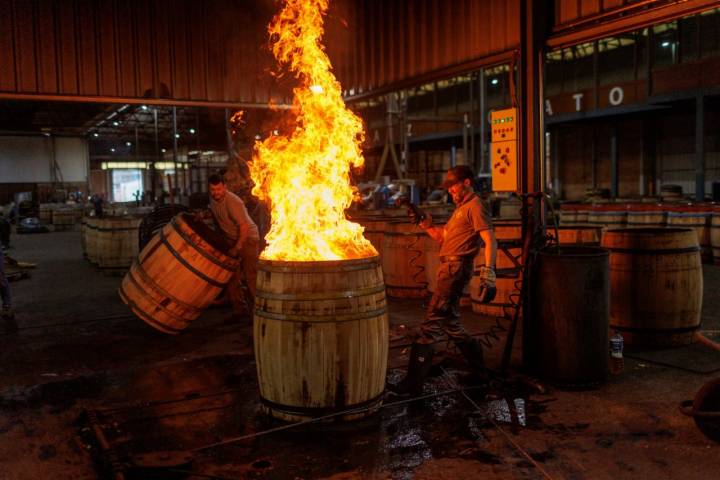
pixel 178 273
pixel 321 336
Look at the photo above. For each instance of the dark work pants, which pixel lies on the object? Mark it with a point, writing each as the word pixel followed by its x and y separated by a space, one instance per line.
pixel 452 277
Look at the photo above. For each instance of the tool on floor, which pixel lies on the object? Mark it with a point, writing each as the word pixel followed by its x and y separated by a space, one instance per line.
pixel 705 409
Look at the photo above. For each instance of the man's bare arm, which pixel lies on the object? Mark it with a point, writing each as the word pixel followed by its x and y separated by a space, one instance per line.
pixel 488 238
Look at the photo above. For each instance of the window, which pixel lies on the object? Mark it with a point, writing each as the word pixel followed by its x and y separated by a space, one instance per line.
pixel 125 183
pixel 664 48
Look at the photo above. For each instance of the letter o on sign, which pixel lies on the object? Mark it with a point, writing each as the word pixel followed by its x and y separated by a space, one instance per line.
pixel 616 96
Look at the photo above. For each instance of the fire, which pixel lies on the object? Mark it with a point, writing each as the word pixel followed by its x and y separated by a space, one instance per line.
pixel 305 176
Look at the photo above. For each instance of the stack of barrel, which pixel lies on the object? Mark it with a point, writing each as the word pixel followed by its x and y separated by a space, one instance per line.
pixel 703 218
pixel 656 255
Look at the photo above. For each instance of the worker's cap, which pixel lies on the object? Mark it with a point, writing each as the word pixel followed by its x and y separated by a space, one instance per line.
pixel 456 175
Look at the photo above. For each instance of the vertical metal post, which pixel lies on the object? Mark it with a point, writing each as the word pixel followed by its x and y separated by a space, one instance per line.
pixel 484 168
pixel 472 160
pixel 555 136
pixel 175 149
pixel 465 140
pixel 533 25
pixel 593 159
pixel 614 162
pixel 700 148
pixel 228 136
pixel 157 156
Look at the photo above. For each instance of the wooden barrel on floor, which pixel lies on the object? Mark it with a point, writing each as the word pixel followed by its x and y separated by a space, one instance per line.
pixel 646 215
pixel 508 235
pixel 63 217
pixel 177 275
pixel 607 215
pixel 569 214
pixel 698 218
pixel 403 260
pixel 715 235
pixel 321 337
pixel 45 212
pixel 91 245
pixel 117 242
pixel 656 284
pixel 375 231
pixel 577 235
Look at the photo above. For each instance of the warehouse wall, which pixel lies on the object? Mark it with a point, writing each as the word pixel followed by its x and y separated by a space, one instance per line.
pixel 28 159
pixel 673 135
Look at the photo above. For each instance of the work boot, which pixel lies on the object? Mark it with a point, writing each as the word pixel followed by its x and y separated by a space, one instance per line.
pixel 418 368
pixel 472 351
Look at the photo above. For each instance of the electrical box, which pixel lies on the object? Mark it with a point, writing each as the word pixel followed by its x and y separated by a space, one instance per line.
pixel 504 150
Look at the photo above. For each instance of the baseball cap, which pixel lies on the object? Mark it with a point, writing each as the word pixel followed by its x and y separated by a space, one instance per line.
pixel 456 175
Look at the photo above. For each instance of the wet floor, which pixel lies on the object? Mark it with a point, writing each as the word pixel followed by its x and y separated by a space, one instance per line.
pixel 186 406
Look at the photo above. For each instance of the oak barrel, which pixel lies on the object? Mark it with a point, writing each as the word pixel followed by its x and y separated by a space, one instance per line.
pixel 567 341
pixel 715 235
pixel 697 217
pixel 117 241
pixel 320 336
pixel 403 260
pixel 607 215
pixel 577 235
pixel 178 274
pixel 91 245
pixel 656 284
pixel 646 215
pixel 63 217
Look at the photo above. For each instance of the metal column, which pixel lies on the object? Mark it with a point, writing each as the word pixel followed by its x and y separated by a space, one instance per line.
pixel 700 148
pixel 614 162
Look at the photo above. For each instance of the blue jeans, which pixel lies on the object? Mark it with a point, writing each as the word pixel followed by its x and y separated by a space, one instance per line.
pixel 4 285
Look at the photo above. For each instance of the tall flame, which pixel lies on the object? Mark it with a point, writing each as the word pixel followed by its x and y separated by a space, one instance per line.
pixel 305 176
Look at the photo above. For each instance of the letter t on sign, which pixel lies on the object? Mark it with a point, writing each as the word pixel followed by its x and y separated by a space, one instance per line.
pixel 578 97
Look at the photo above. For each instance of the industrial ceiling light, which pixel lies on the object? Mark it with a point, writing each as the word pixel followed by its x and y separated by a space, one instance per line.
pixel 192 131
pixel 96 134
pixel 494 81
pixel 665 44
pixel 112 150
pixel 129 144
pixel 162 150
pixel 177 135
pixel 144 107
pixel 115 124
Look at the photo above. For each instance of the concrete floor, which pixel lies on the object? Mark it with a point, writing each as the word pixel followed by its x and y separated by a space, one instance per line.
pixel 78 350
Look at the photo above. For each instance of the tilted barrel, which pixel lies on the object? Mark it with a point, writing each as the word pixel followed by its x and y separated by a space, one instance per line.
pixel 177 275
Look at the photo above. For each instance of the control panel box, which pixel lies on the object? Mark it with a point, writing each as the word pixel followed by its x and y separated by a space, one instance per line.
pixel 504 150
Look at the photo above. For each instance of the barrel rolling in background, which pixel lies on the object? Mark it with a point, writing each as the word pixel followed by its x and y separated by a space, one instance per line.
pixel 320 336
pixel 403 260
pixel 178 273
pixel 656 285
pixel 567 341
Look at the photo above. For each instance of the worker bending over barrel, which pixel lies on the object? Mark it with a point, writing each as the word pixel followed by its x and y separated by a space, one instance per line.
pixel 243 240
pixel 459 240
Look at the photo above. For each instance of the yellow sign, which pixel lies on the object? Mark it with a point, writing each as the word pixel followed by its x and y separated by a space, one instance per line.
pixel 503 150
